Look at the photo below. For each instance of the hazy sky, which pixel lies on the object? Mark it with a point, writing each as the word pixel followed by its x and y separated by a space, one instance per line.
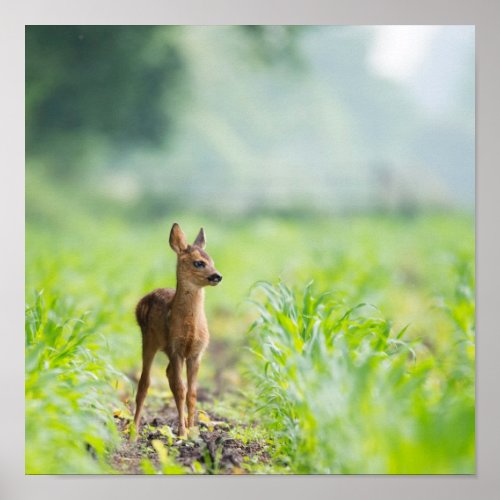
pixel 399 50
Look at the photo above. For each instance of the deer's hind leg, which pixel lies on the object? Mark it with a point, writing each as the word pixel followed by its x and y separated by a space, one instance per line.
pixel 148 353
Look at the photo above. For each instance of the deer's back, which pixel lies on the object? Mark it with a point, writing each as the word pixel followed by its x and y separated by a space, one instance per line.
pixel 152 314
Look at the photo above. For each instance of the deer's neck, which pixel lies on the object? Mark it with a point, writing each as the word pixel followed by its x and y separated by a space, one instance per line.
pixel 189 300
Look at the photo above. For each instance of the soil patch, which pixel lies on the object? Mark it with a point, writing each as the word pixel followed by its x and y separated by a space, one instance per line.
pixel 211 448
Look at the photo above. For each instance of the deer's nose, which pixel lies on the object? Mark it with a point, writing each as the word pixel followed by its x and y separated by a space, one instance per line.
pixel 215 278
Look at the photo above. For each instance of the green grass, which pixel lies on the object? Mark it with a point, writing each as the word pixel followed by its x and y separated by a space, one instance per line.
pixel 374 400
pixel 346 394
pixel 70 390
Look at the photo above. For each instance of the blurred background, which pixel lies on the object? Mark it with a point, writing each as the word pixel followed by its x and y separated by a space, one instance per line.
pixel 237 119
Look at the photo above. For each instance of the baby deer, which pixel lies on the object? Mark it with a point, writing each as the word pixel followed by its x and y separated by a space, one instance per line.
pixel 173 321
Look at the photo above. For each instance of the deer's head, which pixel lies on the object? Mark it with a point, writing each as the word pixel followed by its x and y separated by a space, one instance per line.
pixel 194 265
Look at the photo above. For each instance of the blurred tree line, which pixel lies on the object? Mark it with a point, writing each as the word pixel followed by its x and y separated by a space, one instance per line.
pixel 119 86
pixel 286 118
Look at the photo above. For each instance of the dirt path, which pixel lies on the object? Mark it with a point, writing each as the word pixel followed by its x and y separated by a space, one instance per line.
pixel 217 446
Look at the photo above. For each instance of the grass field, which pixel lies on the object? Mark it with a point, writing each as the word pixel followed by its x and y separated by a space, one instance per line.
pixel 355 353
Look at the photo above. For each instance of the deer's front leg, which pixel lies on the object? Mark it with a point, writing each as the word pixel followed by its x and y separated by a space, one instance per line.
pixel 193 365
pixel 174 375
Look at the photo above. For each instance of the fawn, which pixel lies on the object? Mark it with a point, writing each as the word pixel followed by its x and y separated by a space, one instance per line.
pixel 173 321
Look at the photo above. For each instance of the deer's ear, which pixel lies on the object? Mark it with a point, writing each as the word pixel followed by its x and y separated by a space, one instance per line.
pixel 177 239
pixel 200 240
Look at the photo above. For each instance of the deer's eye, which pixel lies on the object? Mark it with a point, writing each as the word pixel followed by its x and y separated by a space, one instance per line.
pixel 198 264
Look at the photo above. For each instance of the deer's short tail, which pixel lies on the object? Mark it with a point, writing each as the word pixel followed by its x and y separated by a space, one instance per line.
pixel 142 311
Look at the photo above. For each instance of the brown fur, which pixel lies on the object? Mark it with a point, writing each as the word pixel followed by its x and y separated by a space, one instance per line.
pixel 173 321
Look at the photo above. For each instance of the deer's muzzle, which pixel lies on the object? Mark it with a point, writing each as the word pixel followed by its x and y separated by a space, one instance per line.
pixel 215 278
